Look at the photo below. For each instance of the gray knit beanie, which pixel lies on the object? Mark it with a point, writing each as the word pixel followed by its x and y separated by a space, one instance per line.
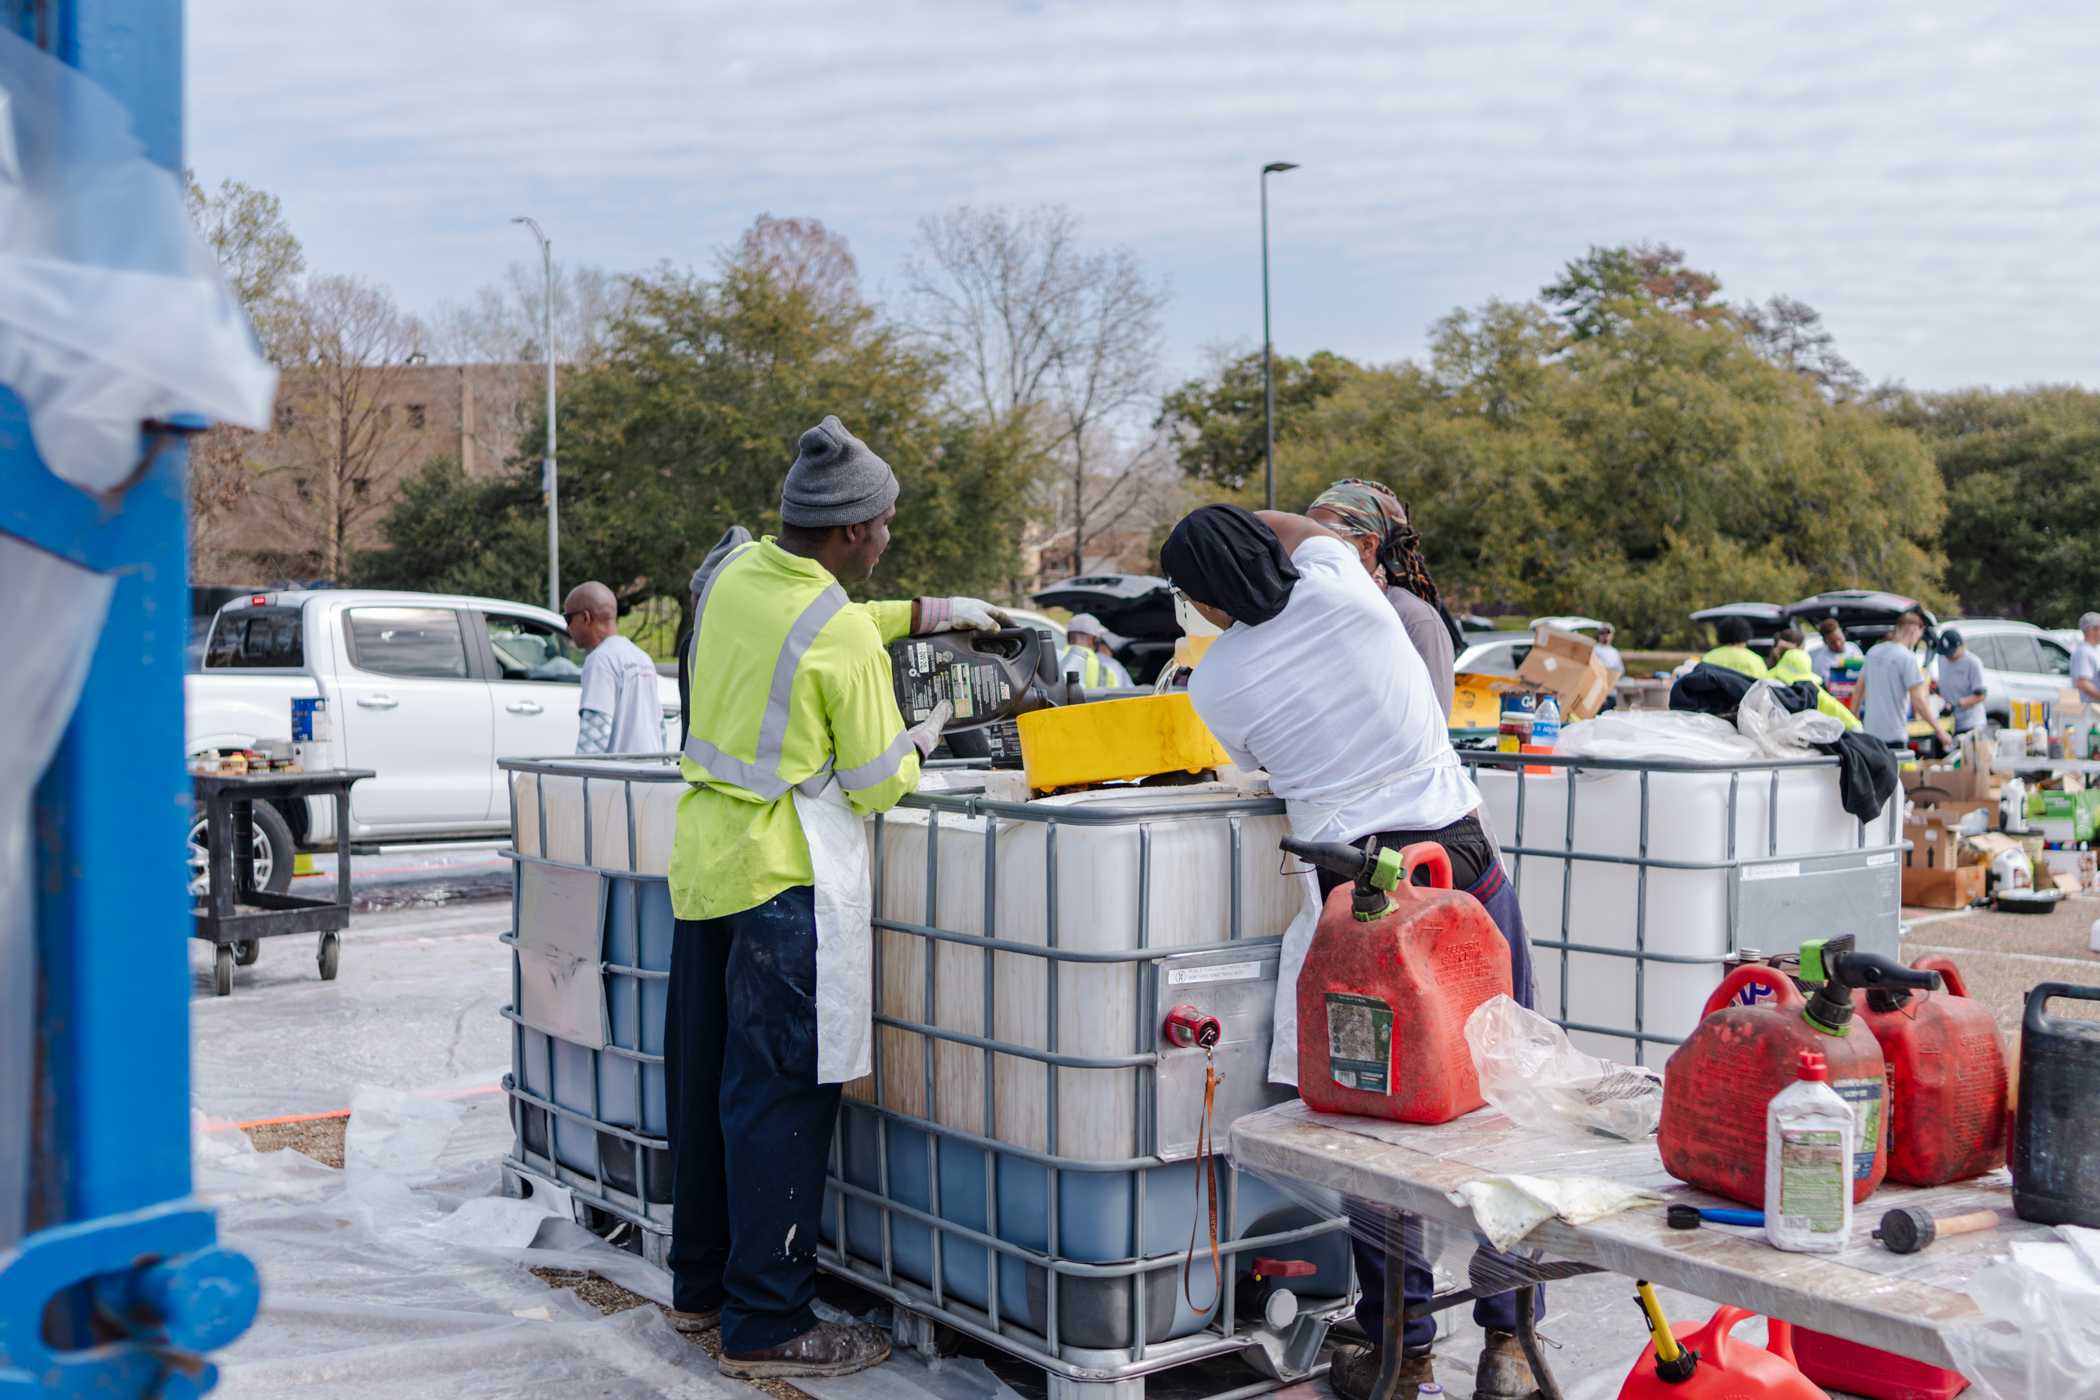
pixel 836 480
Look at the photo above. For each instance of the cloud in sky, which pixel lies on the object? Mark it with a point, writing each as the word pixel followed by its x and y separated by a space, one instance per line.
pixel 1926 174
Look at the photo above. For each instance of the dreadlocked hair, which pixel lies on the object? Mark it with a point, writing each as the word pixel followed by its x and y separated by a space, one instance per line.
pixel 1401 558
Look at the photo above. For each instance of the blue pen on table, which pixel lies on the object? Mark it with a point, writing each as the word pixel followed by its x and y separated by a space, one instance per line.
pixel 1683 1217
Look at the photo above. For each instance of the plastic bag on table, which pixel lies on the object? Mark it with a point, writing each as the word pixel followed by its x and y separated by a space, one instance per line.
pixel 2039 1329
pixel 1681 735
pixel 1530 1071
pixel 1779 732
pixel 112 308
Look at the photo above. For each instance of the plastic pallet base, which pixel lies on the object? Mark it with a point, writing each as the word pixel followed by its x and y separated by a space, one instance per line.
pixel 1274 1362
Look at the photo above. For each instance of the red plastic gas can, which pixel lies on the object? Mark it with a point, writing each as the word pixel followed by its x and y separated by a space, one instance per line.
pixel 1727 1369
pixel 1864 1370
pixel 1946 1079
pixel 1719 1083
pixel 1382 1004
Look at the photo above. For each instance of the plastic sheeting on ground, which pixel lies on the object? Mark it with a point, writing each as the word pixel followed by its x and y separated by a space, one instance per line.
pixel 416 1004
pixel 374 1283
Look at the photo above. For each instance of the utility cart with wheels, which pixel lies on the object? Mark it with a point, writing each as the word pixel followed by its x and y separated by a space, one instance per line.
pixel 237 909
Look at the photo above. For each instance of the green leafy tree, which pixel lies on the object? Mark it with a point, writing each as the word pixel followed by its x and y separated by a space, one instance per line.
pixel 2022 473
pixel 1638 474
pixel 687 424
pixel 1214 423
pixel 258 253
pixel 1596 292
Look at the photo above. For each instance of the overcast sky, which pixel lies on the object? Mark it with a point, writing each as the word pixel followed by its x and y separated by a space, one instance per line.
pixel 1927 174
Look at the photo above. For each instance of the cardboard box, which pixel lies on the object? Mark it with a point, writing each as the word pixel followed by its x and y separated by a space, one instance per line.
pixel 1933 846
pixel 1972 780
pixel 1953 812
pixel 1983 849
pixel 1565 664
pixel 1957 888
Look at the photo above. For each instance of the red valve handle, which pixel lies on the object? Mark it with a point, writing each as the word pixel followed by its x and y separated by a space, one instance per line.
pixel 1285 1268
pixel 1191 1028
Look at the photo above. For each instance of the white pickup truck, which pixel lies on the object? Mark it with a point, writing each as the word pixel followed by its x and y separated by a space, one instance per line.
pixel 426 690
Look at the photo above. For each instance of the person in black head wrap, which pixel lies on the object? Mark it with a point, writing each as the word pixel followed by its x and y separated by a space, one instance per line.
pixel 1318 685
pixel 1227 561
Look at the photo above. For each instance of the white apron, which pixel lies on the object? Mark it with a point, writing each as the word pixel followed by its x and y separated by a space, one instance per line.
pixel 838 855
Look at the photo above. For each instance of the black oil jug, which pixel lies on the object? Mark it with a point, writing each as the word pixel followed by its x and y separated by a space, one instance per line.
pixel 2056 1128
pixel 987 676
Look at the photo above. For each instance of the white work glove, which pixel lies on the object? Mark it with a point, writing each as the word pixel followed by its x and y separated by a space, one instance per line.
pixel 959 615
pixel 927 732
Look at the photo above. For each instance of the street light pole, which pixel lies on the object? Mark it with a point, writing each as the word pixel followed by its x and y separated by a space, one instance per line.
pixel 1268 382
pixel 548 486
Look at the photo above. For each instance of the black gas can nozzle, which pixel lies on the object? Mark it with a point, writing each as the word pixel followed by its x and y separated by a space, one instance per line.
pixel 1376 872
pixel 1838 969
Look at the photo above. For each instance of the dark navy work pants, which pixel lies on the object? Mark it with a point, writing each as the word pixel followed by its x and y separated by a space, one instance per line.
pixel 750 1127
pixel 1418 1281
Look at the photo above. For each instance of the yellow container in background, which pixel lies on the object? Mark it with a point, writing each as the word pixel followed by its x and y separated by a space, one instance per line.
pixel 1111 740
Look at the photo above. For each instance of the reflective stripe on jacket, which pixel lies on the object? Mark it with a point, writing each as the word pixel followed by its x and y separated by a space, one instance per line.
pixel 791 685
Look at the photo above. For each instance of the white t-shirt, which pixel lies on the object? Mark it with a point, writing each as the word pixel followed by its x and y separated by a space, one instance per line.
pixel 1331 698
pixel 2085 662
pixel 1607 656
pixel 1824 661
pixel 1891 670
pixel 619 682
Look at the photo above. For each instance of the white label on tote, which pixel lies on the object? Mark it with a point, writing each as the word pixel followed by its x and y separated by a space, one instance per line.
pixel 1219 972
pixel 1786 870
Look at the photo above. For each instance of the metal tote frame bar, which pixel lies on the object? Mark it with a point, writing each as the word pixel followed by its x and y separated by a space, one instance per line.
pixel 1046 1348
pixel 1562 781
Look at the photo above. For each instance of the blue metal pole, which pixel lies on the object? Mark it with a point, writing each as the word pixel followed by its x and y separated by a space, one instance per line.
pixel 113 1231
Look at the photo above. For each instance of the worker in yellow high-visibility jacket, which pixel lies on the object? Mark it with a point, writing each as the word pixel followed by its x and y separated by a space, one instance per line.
pixel 1086 655
pixel 793 734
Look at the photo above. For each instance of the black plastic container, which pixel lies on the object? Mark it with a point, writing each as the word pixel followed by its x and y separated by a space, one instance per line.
pixel 987 676
pixel 2056 1129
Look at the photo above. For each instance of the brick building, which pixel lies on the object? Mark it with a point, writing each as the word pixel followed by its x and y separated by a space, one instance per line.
pixel 297 500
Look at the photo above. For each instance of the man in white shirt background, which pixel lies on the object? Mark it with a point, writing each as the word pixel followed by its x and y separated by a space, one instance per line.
pixel 2085 659
pixel 620 710
pixel 1606 654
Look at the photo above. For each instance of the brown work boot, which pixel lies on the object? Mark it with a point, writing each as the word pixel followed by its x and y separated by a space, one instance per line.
pixel 827 1349
pixel 692 1324
pixel 1505 1372
pixel 1354 1374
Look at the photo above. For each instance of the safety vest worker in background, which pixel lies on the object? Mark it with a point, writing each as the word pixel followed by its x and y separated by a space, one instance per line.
pixel 793 735
pixel 1087 656
pixel 1794 667
pixel 1733 634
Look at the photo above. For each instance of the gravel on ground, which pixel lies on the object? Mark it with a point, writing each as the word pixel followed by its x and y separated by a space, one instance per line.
pixel 2002 955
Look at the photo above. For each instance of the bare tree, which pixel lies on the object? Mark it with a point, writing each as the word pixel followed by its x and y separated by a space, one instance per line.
pixel 339 447
pixel 802 255
pixel 1047 339
pixel 261 260
pixel 501 323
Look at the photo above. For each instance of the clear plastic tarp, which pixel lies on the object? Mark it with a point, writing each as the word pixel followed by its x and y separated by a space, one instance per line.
pixel 2039 1333
pixel 47 632
pixel 112 308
